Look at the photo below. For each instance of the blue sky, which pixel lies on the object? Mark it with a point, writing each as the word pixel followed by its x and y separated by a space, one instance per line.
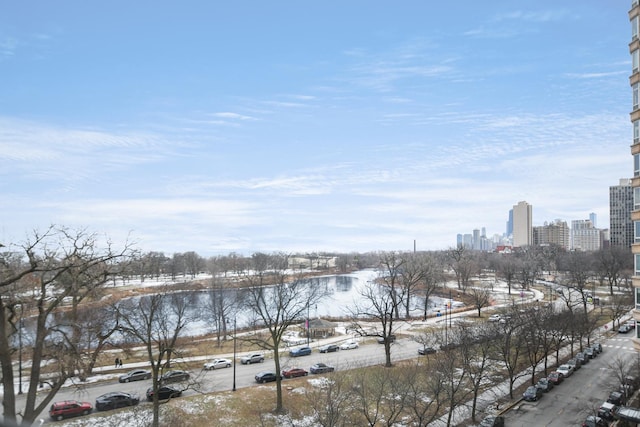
pixel 309 126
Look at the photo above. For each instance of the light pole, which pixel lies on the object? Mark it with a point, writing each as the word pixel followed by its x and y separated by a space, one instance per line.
pixel 308 326
pixel 20 352
pixel 234 353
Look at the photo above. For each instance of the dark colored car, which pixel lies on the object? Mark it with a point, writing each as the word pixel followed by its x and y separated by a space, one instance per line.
pixel 598 347
pixel 583 358
pixel 593 421
pixel 69 408
pixel 174 376
pixel 607 411
pixel 574 363
pixel 590 353
pixel 329 348
pixel 555 377
pixel 426 350
pixel 294 372
pixel 391 338
pixel 135 375
pixel 115 400
pixel 492 421
pixel 302 351
pixel 532 393
pixel 623 329
pixel 265 377
pixel 321 368
pixel 165 392
pixel 617 398
pixel 544 384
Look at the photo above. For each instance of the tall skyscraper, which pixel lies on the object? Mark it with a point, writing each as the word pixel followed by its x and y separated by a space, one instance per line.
pixel 522 224
pixel 510 224
pixel 634 50
pixel 594 219
pixel 620 208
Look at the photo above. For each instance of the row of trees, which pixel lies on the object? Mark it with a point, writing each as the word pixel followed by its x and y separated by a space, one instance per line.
pixel 53 289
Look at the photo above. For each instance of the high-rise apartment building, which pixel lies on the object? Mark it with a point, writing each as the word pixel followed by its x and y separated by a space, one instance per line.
pixel 620 208
pixel 634 49
pixel 557 233
pixel 584 236
pixel 522 224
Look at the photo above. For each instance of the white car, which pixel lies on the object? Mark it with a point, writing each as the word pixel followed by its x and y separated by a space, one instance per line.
pixel 495 318
pixel 217 363
pixel 349 345
pixel 565 370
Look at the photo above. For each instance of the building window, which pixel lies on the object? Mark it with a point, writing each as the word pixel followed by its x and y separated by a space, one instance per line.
pixel 637 300
pixel 636 95
pixel 634 28
pixel 636 227
pixel 635 60
pixel 636 198
pixel 636 131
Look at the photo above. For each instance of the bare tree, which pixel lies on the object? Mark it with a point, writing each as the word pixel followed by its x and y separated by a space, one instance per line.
pixel 507 269
pixel 378 304
pixel 156 323
pixel 432 277
pixel 331 400
pixel 462 264
pixel 480 297
pixel 52 268
pixel 278 300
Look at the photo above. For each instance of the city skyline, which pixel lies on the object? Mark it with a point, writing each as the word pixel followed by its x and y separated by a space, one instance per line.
pixel 286 127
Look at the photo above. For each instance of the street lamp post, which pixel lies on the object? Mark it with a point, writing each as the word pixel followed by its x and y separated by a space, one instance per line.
pixel 234 354
pixel 308 326
pixel 20 351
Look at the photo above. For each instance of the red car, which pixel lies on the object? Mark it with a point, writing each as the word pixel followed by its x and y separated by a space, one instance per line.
pixel 555 377
pixel 69 408
pixel 294 372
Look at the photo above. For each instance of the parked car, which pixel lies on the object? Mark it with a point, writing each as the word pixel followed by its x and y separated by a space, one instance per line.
pixel 349 345
pixel 532 393
pixel 300 351
pixel 391 338
pixel 321 368
pixel 492 421
pixel 594 421
pixel 566 370
pixel 69 408
pixel 544 384
pixel 135 375
pixel 574 363
pixel 631 323
pixel 555 377
pixel 590 353
pixel 164 392
pixel 294 372
pixel 265 377
pixel 426 350
pixel 217 364
pixel 174 376
pixel 617 398
pixel 252 358
pixel 583 358
pixel 495 318
pixel 623 329
pixel 329 348
pixel 598 347
pixel 115 399
pixel 607 411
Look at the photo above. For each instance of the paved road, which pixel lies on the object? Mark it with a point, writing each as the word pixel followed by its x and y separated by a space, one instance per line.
pixel 580 394
pixel 222 379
